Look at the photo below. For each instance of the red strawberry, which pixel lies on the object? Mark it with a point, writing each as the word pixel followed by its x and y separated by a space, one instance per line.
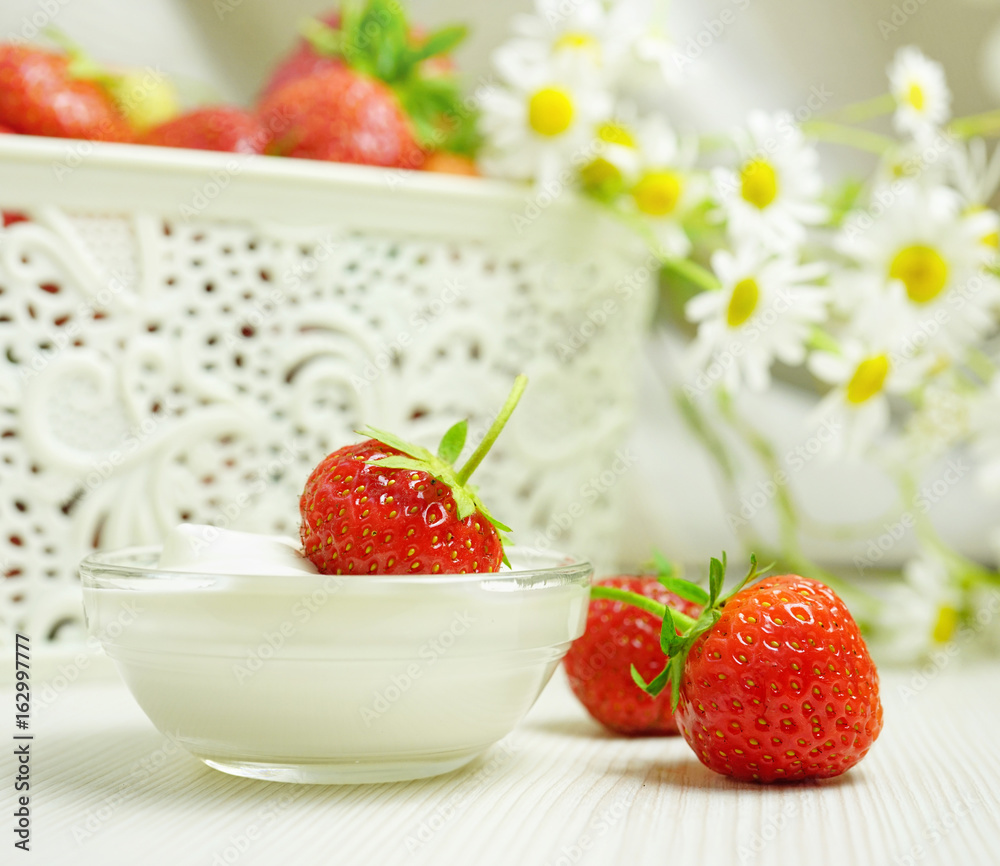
pixel 40 96
pixel 341 116
pixel 6 130
pixel 385 506
pixel 10 217
pixel 618 636
pixel 307 58
pixel 773 682
pixel 221 128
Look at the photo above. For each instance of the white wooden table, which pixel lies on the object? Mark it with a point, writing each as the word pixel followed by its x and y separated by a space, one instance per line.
pixel 108 789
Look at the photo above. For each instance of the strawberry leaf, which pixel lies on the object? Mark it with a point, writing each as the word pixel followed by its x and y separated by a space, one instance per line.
pixel 393 441
pixel 685 589
pixel 395 462
pixel 453 442
pixel 439 42
pixel 716 577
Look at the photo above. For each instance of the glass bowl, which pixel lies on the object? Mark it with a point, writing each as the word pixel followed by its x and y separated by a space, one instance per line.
pixel 327 679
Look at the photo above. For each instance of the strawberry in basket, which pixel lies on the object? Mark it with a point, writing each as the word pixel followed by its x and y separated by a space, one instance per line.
pixel 42 93
pixel 221 128
pixel 378 99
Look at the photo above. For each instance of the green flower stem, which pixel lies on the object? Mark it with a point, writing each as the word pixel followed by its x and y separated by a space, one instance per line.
pixel 791 554
pixel 969 573
pixel 693 273
pixel 981 364
pixel 520 383
pixel 702 430
pixel 836 133
pixel 987 123
pixel 859 112
pixel 681 620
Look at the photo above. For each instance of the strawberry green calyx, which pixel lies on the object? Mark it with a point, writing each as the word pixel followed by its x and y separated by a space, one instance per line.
pixel 145 97
pixel 375 38
pixel 676 646
pixel 442 465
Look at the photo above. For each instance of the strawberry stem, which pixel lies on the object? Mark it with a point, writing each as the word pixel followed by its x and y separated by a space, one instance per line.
pixel 520 383
pixel 640 601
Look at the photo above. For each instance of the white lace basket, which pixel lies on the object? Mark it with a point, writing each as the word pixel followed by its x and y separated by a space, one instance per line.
pixel 186 334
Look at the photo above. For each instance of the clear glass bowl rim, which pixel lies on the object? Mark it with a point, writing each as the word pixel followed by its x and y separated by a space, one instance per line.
pixel 107 568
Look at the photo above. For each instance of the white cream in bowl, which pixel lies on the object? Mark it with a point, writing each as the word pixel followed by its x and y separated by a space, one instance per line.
pixel 306 677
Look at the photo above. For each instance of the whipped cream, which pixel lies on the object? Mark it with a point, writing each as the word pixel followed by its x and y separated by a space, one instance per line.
pixel 211 550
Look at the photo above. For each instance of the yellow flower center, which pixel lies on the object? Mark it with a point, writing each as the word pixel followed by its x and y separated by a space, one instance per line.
pixel 915 96
pixel 759 183
pixel 993 238
pixel 868 379
pixel 577 40
pixel 947 622
pixel 612 133
pixel 658 192
pixel 550 111
pixel 922 271
pixel 744 300
pixel 601 176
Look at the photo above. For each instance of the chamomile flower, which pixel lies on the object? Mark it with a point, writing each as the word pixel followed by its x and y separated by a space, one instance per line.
pixel 923 101
pixel 921 613
pixel 614 165
pixel 666 189
pixel 942 420
pixel 975 172
pixel 775 192
pixel 543 120
pixel 863 375
pixel 623 40
pixel 929 256
pixel 764 312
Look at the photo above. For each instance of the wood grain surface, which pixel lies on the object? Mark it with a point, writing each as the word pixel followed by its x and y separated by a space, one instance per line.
pixel 108 789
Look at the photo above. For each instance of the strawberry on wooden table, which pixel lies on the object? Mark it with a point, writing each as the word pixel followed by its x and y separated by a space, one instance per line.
pixel 220 128
pixel 772 682
pixel 619 636
pixel 385 506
